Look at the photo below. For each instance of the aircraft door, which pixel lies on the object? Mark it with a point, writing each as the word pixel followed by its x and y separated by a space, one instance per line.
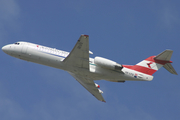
pixel 24 48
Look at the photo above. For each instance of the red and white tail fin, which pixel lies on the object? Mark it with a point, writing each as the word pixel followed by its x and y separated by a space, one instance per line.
pixel 150 65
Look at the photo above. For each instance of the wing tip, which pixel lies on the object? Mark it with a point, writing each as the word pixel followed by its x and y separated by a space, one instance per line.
pixel 85 35
pixel 103 101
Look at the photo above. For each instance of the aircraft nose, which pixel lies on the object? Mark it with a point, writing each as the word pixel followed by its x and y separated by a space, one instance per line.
pixel 6 48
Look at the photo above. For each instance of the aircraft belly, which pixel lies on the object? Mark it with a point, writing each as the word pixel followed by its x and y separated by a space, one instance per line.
pixel 110 75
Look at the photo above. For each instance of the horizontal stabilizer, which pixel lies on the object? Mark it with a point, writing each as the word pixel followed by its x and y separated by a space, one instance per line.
pixel 170 68
pixel 165 55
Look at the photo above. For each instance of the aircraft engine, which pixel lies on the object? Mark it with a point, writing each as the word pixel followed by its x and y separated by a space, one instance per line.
pixel 106 63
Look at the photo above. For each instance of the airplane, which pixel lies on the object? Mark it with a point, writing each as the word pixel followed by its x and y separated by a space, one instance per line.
pixel 85 69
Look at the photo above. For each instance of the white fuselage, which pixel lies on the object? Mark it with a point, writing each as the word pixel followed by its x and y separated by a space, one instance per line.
pixel 54 58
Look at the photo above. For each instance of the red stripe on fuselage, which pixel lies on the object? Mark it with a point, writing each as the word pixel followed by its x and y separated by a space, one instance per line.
pixel 141 69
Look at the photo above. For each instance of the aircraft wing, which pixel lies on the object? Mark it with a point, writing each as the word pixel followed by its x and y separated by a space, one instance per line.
pixel 79 56
pixel 89 85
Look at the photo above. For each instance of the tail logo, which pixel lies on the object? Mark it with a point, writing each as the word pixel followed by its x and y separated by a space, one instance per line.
pixel 149 64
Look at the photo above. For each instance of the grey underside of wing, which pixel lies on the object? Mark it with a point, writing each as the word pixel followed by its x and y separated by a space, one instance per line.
pixel 79 56
pixel 89 85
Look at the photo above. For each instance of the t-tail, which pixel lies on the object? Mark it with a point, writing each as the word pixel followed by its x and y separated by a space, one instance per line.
pixel 150 65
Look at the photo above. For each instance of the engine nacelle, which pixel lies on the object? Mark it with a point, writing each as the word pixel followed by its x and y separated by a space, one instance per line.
pixel 106 63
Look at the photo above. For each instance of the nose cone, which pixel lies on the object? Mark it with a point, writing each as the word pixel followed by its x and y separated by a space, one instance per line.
pixel 6 48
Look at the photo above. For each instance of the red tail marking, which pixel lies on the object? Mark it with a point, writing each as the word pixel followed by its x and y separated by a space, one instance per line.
pixel 149 64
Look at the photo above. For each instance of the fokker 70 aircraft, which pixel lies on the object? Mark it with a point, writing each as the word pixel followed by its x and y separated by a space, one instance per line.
pixel 86 70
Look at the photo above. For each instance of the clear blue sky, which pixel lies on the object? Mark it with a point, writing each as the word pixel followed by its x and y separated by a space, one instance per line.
pixel 124 31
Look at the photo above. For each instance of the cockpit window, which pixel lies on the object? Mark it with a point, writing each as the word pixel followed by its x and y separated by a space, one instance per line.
pixel 16 43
